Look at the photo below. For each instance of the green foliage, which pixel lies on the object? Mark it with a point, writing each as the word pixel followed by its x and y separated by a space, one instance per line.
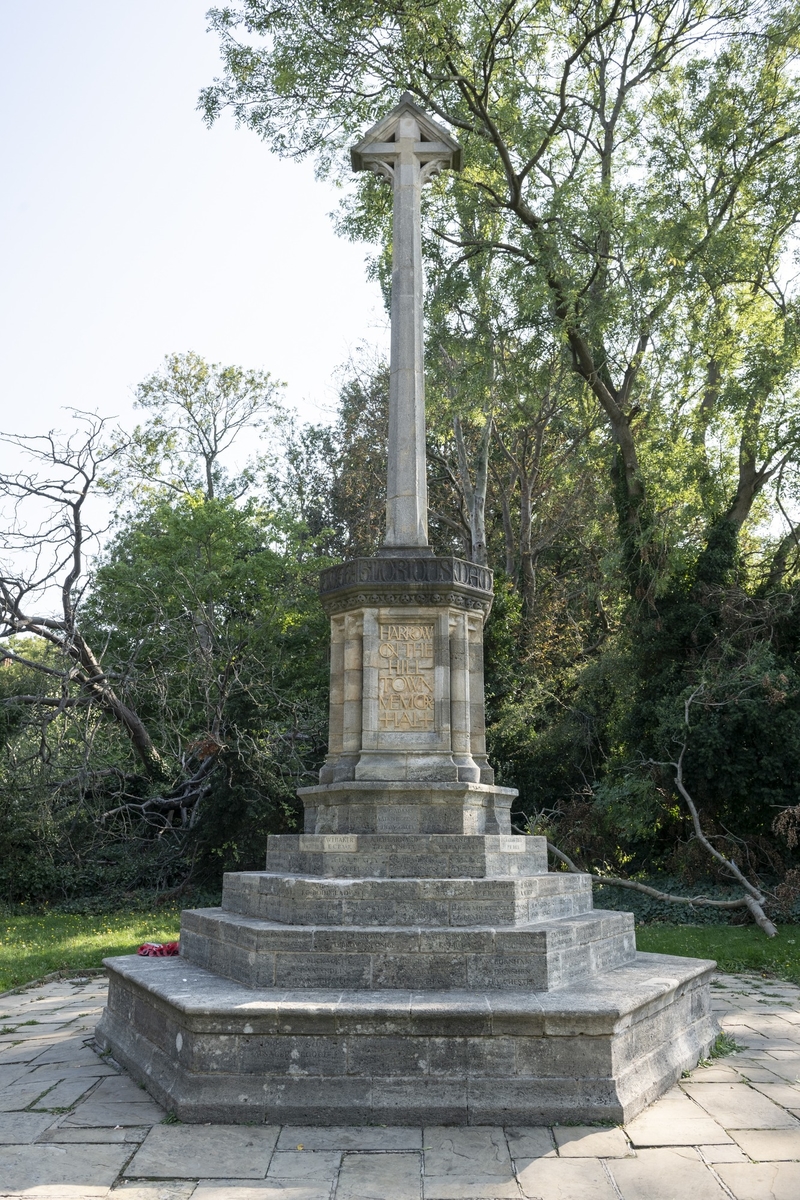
pixel 204 604
pixel 34 944
pixel 723 1046
pixel 737 948
pixel 612 348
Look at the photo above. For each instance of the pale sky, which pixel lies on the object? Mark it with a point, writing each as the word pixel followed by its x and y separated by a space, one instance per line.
pixel 130 230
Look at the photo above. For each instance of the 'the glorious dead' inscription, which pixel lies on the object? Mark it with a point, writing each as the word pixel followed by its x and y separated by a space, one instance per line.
pixel 405 677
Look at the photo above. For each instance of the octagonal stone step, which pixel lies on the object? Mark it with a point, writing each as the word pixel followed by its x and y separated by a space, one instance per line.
pixel 541 956
pixel 410 856
pixel 316 900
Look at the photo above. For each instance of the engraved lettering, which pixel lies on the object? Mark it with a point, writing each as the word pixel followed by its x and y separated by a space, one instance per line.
pixel 511 844
pixel 342 843
pixel 405 677
pixel 406 572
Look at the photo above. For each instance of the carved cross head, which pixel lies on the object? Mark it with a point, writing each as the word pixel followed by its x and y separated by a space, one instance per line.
pixel 407 134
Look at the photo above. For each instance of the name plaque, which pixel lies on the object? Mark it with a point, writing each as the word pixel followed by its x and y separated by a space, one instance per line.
pixel 346 843
pixel 509 844
pixel 342 843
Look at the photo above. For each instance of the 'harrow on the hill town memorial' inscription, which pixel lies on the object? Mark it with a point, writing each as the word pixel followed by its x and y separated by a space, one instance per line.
pixel 406 676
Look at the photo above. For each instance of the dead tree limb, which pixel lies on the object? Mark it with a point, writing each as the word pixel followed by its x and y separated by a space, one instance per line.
pixel 635 886
pixel 70 470
pixel 753 899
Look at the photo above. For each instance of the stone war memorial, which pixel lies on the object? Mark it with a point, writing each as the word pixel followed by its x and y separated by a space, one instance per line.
pixel 407 959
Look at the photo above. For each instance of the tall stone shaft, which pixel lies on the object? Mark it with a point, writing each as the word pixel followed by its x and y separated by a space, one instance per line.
pixel 408 148
pixel 407 747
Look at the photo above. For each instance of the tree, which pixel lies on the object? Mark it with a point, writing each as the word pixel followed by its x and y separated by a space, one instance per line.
pixel 622 153
pixel 629 193
pixel 56 551
pixel 197 410
pixel 163 687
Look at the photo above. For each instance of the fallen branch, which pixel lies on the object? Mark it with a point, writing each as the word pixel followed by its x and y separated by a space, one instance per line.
pixel 186 795
pixel 615 881
pixel 752 900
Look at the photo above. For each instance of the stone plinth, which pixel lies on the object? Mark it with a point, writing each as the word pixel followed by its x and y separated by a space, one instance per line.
pixel 429 856
pixel 400 807
pixel 406 701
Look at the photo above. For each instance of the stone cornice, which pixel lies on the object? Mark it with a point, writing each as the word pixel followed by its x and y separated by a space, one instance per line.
pixel 366 582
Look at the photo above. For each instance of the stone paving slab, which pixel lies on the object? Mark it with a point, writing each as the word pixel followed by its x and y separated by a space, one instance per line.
pixel 762 1181
pixel 379 1176
pixel 566 1179
pixel 580 1141
pixel 739 1106
pixel 666 1174
pixel 247 1189
pixel 730 1130
pixel 348 1137
pixel 213 1150
pixel 769 1145
pixel 26 1167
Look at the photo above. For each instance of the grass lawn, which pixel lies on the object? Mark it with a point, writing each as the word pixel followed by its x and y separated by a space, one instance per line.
pixel 735 947
pixel 34 944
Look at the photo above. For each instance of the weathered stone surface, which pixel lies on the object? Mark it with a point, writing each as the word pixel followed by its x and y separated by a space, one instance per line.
pixel 94 1114
pixel 308 900
pixel 155 1190
pixel 59 1171
pixel 534 1142
pixel 89 1136
pixel 224 1052
pixel 762 1181
pixel 409 856
pixel 778 1145
pixel 398 571
pixel 737 1106
pixel 665 1175
pixel 579 1141
pixel 541 955
pixel 349 1137
pixel 65 1094
pixel 212 1152
pixel 555 1179
pixel 18 1128
pixel 242 1189
pixel 304 1165
pixel 378 1176
pixel 429 802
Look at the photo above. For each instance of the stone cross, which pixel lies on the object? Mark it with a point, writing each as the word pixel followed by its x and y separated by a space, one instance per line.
pixel 408 148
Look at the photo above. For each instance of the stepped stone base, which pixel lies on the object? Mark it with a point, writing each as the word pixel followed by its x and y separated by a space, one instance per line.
pixel 311 900
pixel 213 1050
pixel 541 955
pixel 407 978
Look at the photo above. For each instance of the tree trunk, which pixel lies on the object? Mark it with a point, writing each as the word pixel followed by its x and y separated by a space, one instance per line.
pixel 474 495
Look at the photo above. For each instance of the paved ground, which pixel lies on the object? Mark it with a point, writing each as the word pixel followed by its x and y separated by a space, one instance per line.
pixel 74 1127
